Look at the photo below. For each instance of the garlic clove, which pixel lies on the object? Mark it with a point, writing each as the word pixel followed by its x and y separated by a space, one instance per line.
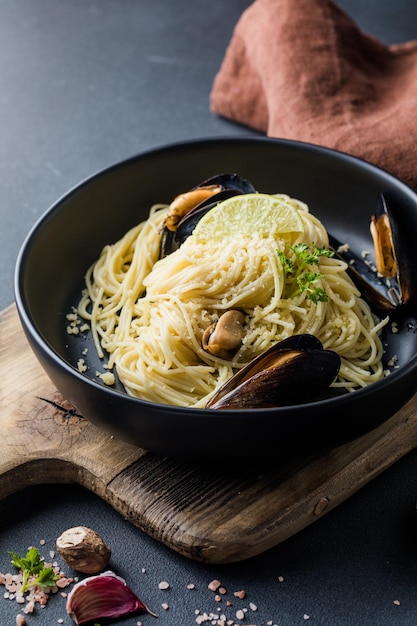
pixel 103 596
pixel 83 550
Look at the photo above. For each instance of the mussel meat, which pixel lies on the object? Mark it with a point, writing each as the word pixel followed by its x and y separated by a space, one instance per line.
pixel 224 337
pixel 388 285
pixel 292 371
pixel 188 207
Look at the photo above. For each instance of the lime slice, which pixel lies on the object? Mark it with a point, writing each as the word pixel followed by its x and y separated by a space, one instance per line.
pixel 248 213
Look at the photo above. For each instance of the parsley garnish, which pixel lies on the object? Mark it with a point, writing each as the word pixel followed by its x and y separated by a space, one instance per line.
pixel 297 276
pixel 34 570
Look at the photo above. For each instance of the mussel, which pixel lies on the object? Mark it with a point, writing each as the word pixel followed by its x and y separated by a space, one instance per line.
pixel 391 259
pixel 187 208
pixel 224 337
pixel 293 371
pixel 389 284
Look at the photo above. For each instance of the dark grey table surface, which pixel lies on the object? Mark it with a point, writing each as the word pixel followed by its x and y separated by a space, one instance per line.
pixel 84 84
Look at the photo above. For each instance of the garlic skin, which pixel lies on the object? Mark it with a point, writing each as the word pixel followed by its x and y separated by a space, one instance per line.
pixel 83 550
pixel 103 596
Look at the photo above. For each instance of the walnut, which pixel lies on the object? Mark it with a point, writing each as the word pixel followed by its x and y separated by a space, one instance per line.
pixel 83 550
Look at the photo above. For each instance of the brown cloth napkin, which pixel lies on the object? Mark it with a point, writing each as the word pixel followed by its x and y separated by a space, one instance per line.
pixel 303 70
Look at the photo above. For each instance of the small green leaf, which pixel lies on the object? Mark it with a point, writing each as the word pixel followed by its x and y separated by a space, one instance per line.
pixel 33 570
pixel 45 578
pixel 297 277
pixel 18 561
pixel 319 295
pixel 286 262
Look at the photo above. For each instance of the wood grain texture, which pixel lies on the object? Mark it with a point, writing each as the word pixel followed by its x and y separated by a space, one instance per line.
pixel 209 513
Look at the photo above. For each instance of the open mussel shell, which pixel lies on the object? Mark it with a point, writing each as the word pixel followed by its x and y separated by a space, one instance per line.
pixel 189 222
pixel 292 371
pixel 388 284
pixel 382 296
pixel 392 258
pixel 221 187
pixel 229 181
pixel 171 240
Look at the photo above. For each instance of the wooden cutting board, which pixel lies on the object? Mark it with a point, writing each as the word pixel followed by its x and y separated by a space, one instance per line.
pixel 205 512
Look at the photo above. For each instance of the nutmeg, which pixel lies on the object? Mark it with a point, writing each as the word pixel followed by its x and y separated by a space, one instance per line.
pixel 83 550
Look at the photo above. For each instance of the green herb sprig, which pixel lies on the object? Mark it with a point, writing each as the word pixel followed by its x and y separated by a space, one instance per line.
pixel 33 570
pixel 298 278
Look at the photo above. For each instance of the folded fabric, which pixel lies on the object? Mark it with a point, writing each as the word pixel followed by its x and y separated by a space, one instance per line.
pixel 304 70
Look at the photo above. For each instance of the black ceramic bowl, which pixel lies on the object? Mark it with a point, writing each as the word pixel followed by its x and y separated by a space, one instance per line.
pixel 342 191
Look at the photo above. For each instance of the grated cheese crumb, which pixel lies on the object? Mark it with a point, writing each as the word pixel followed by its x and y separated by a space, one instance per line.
pixel 343 248
pixel 393 361
pixel 107 378
pixel 81 365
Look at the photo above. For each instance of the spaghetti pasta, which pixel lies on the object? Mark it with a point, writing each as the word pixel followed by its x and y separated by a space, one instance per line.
pixel 148 314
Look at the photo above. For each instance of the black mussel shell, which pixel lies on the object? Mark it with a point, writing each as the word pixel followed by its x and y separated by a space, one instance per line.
pixel 299 342
pixel 384 291
pixel 189 222
pixel 293 371
pixel 171 240
pixel 399 270
pixel 230 184
pixel 381 294
pixel 229 181
pixel 167 243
